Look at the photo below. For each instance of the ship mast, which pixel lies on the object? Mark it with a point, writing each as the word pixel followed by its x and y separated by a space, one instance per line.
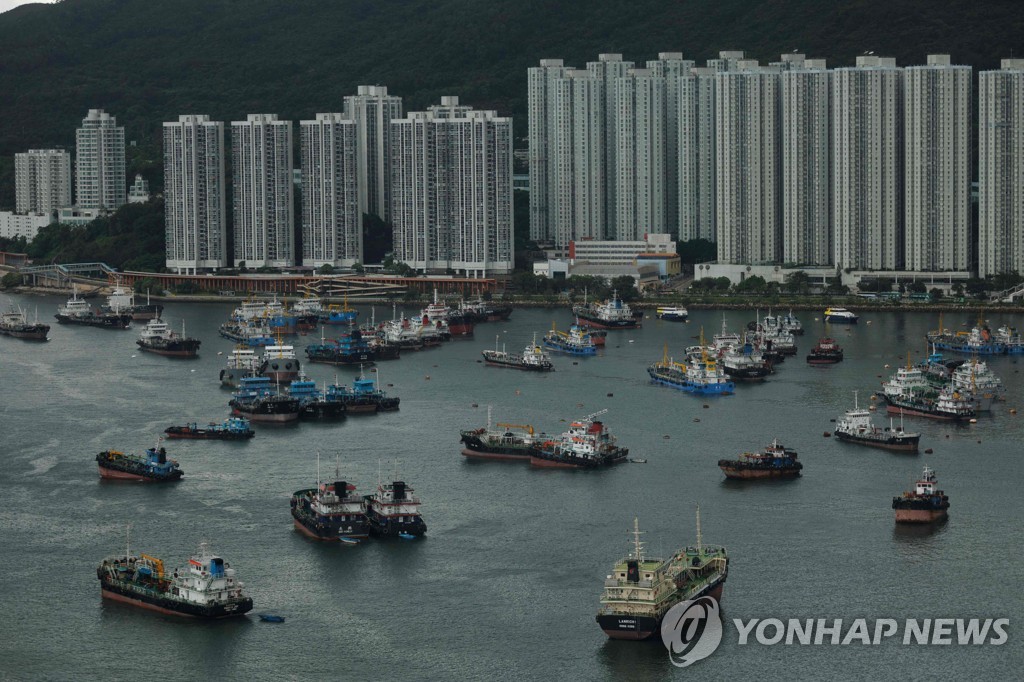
pixel 127 542
pixel 638 547
pixel 699 536
pixel 317 468
pixel 489 418
pixel 855 406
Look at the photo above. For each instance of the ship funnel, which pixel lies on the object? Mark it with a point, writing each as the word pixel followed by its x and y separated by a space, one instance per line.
pixel 398 488
pixel 633 571
pixel 340 488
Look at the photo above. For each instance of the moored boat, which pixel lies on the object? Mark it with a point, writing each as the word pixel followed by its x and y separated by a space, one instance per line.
pixel 348 349
pixel 151 467
pixel 925 504
pixel 827 352
pixel 775 461
pixel 507 442
pixel 574 342
pixel 313 403
pixel 242 362
pixel 280 364
pixel 701 374
pixel 157 337
pixel 392 511
pixel 587 444
pixel 257 401
pixel 232 428
pixel 672 313
pixel 78 311
pixel 840 315
pixel 855 426
pixel 122 300
pixel 532 359
pixel 15 323
pixel 331 511
pixel 640 589
pixel 611 314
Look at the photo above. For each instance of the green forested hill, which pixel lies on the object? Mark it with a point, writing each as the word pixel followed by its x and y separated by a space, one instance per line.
pixel 148 60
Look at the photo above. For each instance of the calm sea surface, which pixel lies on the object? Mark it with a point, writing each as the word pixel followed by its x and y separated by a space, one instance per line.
pixel 507 581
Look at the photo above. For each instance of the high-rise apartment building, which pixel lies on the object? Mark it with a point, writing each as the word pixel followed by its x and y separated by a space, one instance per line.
pixel 669 68
pixel 331 227
pixel 867 164
pixel 806 162
pixel 452 190
pixel 195 219
pixel 100 182
pixel 263 191
pixel 1001 169
pixel 640 142
pixel 42 180
pixel 937 171
pixel 748 169
pixel 540 134
pixel 608 69
pixel 373 109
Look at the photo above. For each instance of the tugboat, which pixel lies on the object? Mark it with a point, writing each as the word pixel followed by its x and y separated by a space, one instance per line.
pixel 507 442
pixel 840 315
pixel 314 404
pixel 612 314
pixel 532 359
pixel 15 323
pixel 775 462
pixel 257 401
pixel 576 342
pixel 206 588
pixel 242 362
pixel 394 511
pixel 348 349
pixel 700 375
pixel 855 427
pixel 330 511
pixel 151 467
pixel 827 352
pixel 232 428
pixel 672 313
pixel 122 300
pixel 78 311
pixel 641 589
pixel 586 445
pixel 157 337
pixel 926 504
pixel 280 364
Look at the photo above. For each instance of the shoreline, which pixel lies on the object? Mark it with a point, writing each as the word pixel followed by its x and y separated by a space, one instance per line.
pixel 976 307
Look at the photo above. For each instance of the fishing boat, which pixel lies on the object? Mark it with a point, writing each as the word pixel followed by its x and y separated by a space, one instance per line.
pixel 332 511
pixel 573 342
pixel 532 359
pixel 925 504
pixel 855 426
pixel 840 315
pixel 641 589
pixel 611 314
pixel 827 352
pixel 206 588
pixel 14 322
pixel 672 313
pixel 587 444
pixel 392 509
pixel 157 337
pixel 775 461
pixel 232 428
pixel 150 467
pixel 78 311
pixel 242 362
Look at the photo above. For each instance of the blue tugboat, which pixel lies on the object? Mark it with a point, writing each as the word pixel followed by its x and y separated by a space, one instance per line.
pixel 575 342
pixel 348 349
pixel 256 400
pixel 314 404
pixel 364 396
pixel 232 428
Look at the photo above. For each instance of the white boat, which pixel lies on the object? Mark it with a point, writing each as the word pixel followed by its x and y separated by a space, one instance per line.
pixel 672 313
pixel 841 315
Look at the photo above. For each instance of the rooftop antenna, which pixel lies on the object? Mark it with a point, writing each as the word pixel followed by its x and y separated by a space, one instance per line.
pixel 699 536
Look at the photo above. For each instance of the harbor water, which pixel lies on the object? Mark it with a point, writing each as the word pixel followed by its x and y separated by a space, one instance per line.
pixel 506 583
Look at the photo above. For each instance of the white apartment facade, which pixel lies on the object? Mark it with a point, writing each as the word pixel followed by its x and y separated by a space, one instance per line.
pixel 100 182
pixel 669 68
pixel 452 190
pixel 42 180
pixel 373 109
pixel 1001 169
pixel 640 141
pixel 195 218
pixel 937 171
pixel 540 133
pixel 331 224
pixel 263 191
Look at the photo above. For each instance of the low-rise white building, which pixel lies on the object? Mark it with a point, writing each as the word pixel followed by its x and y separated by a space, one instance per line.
pixel 25 225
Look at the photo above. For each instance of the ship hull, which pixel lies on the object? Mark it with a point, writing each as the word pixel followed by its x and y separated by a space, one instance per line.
pixel 327 536
pixel 895 445
pixel 208 435
pixel 593 321
pixel 758 474
pixel 639 628
pixel 823 360
pixel 172 608
pixel 118 475
pixel 232 378
pixel 460 328
pixel 758 374
pixel 914 412
pixel 709 389
pixel 38 333
pixel 365 359
pixel 920 515
pixel 841 320
pixel 278 418
pixel 103 321
pixel 496 456
pixel 571 350
pixel 188 352
pixel 518 365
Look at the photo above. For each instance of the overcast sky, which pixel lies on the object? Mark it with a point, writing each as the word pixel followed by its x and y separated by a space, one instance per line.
pixel 8 4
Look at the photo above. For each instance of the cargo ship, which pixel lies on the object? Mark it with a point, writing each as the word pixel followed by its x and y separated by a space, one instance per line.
pixel 586 445
pixel 330 511
pixel 257 401
pixel 122 300
pixel 855 426
pixel 611 314
pixel 243 362
pixel 280 364
pixel 206 588
pixel 314 404
pixel 827 352
pixel 392 511
pixel 978 341
pixel 672 313
pixel 775 461
pixel 15 323
pixel 348 349
pixel 512 442
pixel 232 428
pixel 157 337
pixel 573 342
pixel 925 504
pixel 78 311
pixel 908 392
pixel 532 359
pixel 840 315
pixel 701 374
pixel 640 590
pixel 151 467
